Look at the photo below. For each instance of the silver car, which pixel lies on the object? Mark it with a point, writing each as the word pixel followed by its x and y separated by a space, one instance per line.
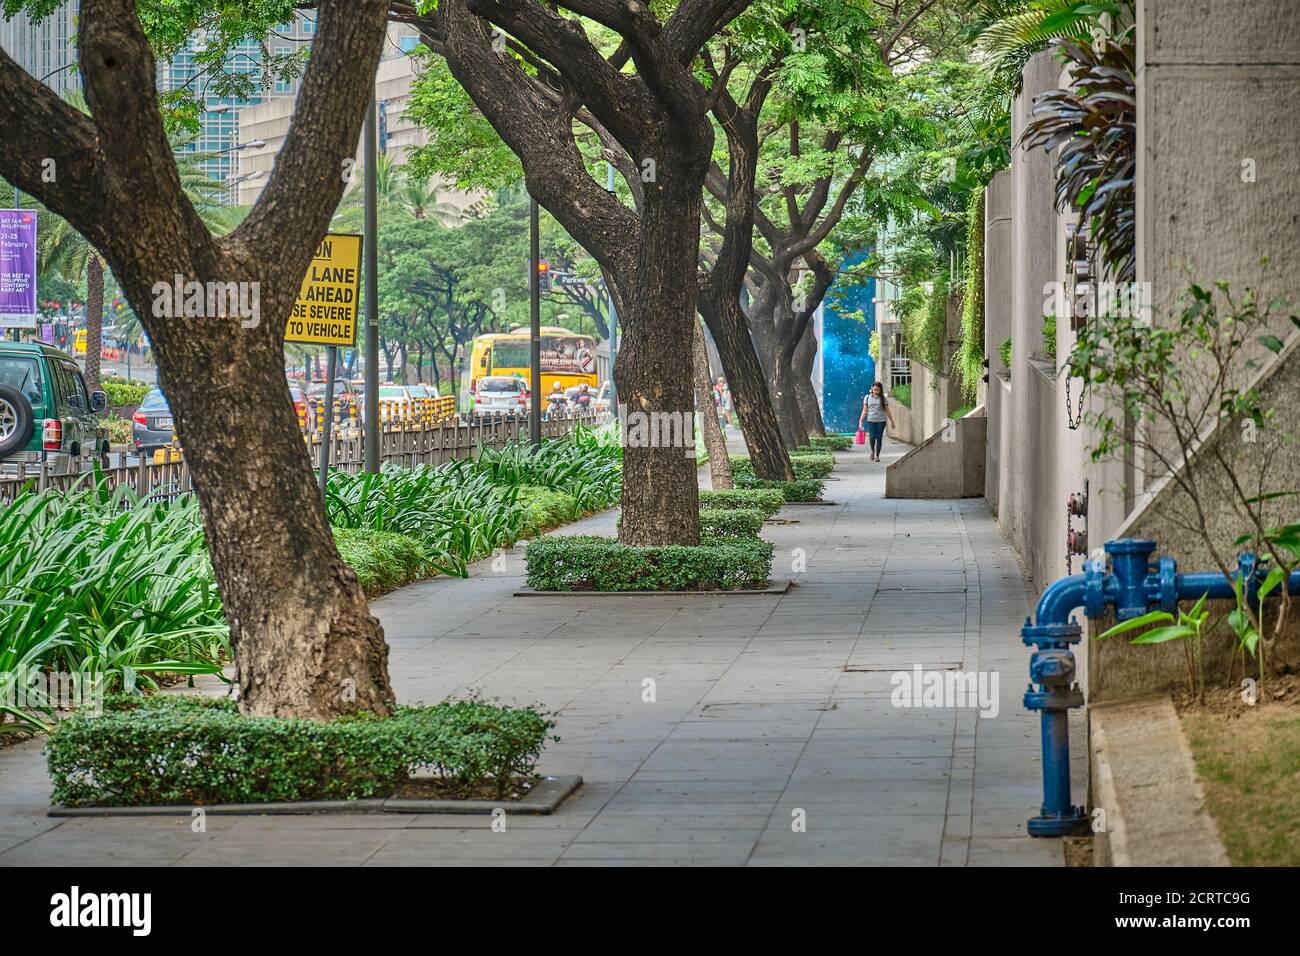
pixel 500 396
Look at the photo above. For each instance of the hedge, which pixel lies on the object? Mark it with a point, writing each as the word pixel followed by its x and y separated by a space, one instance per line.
pixel 174 749
pixel 829 442
pixel 731 522
pixel 123 394
pixel 801 489
pixel 590 563
pixel 806 465
pixel 382 560
pixel 766 500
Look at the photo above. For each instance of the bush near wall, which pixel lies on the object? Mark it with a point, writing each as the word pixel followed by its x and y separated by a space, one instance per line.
pixel 903 393
pixel 545 509
pixel 174 749
pixel 801 489
pixel 766 500
pixel 590 563
pixel 810 465
pixel 968 363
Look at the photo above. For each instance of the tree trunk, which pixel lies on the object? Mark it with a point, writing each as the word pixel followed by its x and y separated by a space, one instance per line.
pixel 714 441
pixel 749 392
pixel 660 487
pixel 805 357
pixel 94 319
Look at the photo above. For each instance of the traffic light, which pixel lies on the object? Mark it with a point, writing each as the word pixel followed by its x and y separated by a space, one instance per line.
pixel 543 276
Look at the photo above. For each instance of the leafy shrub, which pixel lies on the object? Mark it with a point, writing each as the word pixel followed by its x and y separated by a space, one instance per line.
pixel 382 560
pixel 925 326
pixel 829 442
pixel 589 563
pixel 903 393
pixel 1049 336
pixel 123 394
pixel 171 749
pixel 119 429
pixel 766 500
pixel 545 509
pixel 801 489
pixel 812 465
pixel 1004 350
pixel 105 585
pixel 731 522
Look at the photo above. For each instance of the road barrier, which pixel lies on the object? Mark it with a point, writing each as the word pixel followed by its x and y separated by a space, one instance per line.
pixel 407 442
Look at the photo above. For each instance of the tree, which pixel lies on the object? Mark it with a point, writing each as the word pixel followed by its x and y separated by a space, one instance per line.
pixel 306 645
pixel 532 72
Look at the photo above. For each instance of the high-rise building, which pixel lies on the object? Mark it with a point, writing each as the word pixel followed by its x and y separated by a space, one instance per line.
pixel 48 49
pixel 220 116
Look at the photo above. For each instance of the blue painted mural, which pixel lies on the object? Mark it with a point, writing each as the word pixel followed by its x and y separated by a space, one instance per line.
pixel 848 370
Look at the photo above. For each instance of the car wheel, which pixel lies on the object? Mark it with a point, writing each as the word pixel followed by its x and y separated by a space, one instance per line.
pixel 16 420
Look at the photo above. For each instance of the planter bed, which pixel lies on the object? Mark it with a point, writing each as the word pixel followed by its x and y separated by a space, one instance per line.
pixel 586 563
pixel 799 491
pixel 182 751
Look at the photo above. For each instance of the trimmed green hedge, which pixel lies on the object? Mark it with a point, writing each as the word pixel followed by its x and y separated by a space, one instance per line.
pixel 829 442
pixel 903 394
pixel 590 563
pixel 173 749
pixel 731 522
pixel 801 489
pixel 806 465
pixel 382 560
pixel 123 394
pixel 766 500
pixel 545 509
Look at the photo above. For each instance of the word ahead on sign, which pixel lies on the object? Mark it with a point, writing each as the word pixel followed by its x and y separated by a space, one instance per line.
pixel 326 310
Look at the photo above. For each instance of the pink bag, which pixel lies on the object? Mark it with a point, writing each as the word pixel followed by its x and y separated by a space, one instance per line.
pixel 860 438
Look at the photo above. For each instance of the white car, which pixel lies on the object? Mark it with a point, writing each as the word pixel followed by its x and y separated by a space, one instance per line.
pixel 500 396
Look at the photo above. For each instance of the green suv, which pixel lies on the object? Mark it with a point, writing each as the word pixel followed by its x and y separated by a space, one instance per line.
pixel 46 413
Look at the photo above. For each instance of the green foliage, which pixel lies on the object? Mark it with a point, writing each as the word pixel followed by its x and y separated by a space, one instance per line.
pixel 874 348
pixel 903 393
pixel 925 326
pixel 801 489
pixel 1094 124
pixel 1004 350
pixel 812 465
pixel 382 560
pixel 731 522
pixel 1012 31
pixel 123 394
pixel 105 585
pixel 1049 336
pixel 968 363
pixel 170 750
pixel 1186 625
pixel 829 442
pixel 589 563
pixel 767 501
pixel 120 430
pixel 545 509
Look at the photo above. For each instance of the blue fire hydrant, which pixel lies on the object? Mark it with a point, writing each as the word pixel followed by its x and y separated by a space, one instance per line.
pixel 1133 586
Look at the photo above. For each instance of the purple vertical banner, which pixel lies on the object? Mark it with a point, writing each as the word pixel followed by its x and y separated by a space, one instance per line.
pixel 18 269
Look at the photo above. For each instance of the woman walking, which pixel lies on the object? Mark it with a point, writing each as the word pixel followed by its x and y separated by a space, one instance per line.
pixel 875 412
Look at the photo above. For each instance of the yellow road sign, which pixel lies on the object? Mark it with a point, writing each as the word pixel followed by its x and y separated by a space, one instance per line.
pixel 327 306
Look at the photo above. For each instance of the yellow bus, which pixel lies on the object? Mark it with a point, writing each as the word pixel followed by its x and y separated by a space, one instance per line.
pixel 567 357
pixel 79 342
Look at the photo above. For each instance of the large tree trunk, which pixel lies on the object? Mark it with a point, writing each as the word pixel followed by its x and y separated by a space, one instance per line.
pixel 94 319
pixel 305 643
pixel 660 490
pixel 714 441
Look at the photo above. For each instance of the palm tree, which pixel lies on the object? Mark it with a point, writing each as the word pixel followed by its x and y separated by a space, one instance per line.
pixel 1011 31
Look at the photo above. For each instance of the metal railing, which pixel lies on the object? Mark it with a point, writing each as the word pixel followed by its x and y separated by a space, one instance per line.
pixel 405 442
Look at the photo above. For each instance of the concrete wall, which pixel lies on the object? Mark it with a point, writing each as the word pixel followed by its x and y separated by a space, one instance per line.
pixel 948 464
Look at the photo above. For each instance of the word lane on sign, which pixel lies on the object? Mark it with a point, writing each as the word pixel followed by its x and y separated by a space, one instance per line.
pixel 327 306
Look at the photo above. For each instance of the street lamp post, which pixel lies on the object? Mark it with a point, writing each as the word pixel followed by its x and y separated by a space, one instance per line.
pixel 371 252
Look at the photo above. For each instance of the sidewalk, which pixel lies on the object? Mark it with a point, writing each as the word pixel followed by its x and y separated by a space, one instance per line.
pixel 767 712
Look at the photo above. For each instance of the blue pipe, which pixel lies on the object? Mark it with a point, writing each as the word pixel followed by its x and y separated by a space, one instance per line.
pixel 1134 586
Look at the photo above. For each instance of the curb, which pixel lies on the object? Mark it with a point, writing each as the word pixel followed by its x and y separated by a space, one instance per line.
pixel 541 800
pixel 779 587
pixel 1144 779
